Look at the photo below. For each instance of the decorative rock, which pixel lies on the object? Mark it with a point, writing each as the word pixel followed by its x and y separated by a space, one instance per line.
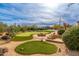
pixel 2 51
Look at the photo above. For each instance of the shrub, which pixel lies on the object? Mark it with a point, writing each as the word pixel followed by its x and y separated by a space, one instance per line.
pixel 41 34
pixel 52 36
pixel 60 32
pixel 71 38
pixel 11 34
pixel 5 37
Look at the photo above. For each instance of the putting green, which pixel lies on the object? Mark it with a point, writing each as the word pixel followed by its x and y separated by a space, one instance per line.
pixel 36 47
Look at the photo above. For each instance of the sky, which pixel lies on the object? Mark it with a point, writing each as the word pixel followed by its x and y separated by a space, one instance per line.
pixel 38 13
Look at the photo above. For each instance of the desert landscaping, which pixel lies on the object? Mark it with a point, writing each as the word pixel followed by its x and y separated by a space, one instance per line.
pixel 39 30
pixel 42 42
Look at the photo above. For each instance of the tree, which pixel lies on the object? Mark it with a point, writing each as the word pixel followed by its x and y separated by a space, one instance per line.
pixel 71 39
pixel 3 27
pixel 57 26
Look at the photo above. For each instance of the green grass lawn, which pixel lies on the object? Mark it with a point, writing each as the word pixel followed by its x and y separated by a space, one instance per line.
pixel 36 47
pixel 22 38
pixel 48 31
pixel 27 35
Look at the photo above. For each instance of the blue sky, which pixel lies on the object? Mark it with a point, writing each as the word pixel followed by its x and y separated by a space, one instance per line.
pixel 37 13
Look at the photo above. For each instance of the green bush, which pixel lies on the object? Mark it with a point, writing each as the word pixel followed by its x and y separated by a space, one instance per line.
pixel 71 38
pixel 60 32
pixel 11 34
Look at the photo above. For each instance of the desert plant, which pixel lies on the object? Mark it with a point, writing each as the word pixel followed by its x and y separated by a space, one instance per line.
pixel 41 34
pixel 11 34
pixel 60 32
pixel 71 38
pixel 53 36
pixel 5 37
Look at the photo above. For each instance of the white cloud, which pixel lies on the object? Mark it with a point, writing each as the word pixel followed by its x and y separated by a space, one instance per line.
pixel 29 12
